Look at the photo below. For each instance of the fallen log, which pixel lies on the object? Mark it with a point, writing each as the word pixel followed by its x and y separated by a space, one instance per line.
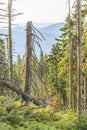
pixel 24 95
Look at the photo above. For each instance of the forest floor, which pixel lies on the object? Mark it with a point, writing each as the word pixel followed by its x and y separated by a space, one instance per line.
pixel 13 116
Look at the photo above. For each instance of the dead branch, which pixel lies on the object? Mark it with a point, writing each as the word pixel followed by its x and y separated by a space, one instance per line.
pixel 3 35
pixel 17 14
pixel 38 32
pixel 2 3
pixel 3 10
pixel 37 37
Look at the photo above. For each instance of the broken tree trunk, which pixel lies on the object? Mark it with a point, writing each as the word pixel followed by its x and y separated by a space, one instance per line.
pixel 28 76
pixel 24 95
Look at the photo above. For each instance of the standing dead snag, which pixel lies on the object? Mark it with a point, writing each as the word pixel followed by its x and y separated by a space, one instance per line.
pixel 70 62
pixel 10 15
pixel 10 41
pixel 79 59
pixel 28 76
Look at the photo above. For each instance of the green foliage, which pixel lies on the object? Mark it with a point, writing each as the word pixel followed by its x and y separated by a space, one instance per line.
pixel 9 111
pixel 82 122
pixel 5 126
pixel 3 60
pixel 68 121
pixel 17 72
pixel 14 116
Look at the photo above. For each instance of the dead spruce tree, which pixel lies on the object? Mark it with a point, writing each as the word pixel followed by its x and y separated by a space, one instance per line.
pixel 28 75
pixel 79 59
pixel 10 15
pixel 70 61
pixel 10 41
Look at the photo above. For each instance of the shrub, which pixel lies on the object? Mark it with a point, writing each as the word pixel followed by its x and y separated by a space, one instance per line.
pixel 82 122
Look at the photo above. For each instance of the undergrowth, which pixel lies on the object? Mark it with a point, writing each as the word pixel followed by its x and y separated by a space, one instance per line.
pixel 14 116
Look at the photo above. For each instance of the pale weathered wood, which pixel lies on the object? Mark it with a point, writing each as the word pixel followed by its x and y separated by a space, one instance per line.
pixel 28 75
pixel 10 41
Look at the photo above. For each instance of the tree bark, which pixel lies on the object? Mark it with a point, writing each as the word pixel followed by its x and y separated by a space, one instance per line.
pixel 24 95
pixel 10 41
pixel 70 64
pixel 79 59
pixel 28 75
pixel 85 95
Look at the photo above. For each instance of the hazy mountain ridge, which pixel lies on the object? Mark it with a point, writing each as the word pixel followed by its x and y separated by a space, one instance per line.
pixel 52 29
pixel 50 32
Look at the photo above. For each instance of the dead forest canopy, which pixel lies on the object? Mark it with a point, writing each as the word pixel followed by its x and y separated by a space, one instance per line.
pixel 56 82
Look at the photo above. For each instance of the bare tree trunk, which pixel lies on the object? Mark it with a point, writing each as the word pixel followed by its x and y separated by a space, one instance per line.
pixel 79 59
pixel 70 63
pixel 71 76
pixel 0 70
pixel 85 95
pixel 10 41
pixel 28 76
pixel 24 95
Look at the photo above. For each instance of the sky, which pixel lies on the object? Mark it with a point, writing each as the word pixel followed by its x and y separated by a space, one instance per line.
pixel 41 11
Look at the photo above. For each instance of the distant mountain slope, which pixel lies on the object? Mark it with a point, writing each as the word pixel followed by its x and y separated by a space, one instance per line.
pixel 50 32
pixel 52 29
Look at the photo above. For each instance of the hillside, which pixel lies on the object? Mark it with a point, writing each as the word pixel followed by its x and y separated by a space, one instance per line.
pixel 52 29
pixel 49 31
